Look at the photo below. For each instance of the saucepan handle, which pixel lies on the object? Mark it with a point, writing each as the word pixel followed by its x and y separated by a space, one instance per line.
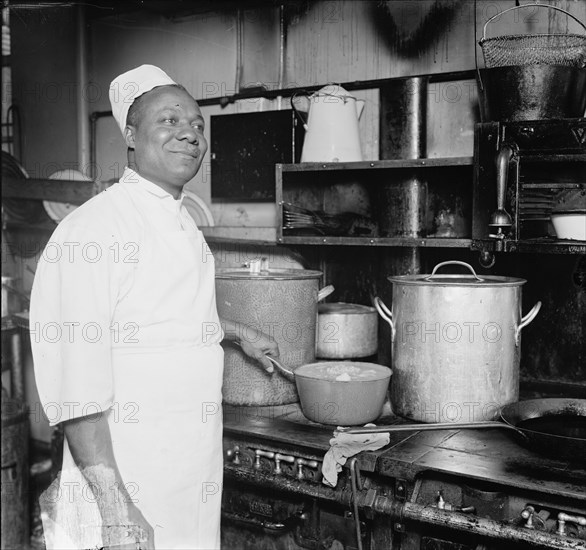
pixel 385 313
pixel 281 368
pixel 428 427
pixel 526 320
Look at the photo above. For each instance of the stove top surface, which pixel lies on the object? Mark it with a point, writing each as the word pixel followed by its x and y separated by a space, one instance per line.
pixel 490 455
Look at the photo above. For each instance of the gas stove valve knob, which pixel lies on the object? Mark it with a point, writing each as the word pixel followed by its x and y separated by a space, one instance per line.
pixel 443 505
pixel 258 453
pixel 234 454
pixel 302 462
pixel 566 518
pixel 527 514
pixel 282 458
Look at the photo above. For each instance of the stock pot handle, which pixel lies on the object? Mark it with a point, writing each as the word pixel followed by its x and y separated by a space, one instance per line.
pixel 454 262
pixel 385 313
pixel 325 292
pixel 526 320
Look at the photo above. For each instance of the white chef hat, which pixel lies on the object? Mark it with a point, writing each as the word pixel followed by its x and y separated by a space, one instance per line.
pixel 125 88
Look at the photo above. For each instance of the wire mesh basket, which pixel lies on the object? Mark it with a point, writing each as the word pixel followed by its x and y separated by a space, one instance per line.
pixel 534 49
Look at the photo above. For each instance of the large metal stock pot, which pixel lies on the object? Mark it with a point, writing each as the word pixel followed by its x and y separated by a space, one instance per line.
pixel 456 344
pixel 283 304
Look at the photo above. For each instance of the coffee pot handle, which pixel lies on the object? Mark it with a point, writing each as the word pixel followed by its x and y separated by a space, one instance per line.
pixel 296 111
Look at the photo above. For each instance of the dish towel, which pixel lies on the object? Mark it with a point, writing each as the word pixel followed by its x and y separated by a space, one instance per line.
pixel 344 446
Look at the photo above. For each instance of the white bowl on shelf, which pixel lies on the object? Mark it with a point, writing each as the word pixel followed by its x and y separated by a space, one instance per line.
pixel 570 225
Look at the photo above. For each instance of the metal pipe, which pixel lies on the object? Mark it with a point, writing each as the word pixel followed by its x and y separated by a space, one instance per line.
pixel 354 482
pixel 487 527
pixel 239 43
pixel 288 92
pixel 93 138
pixel 403 119
pixel 83 129
pixel 281 54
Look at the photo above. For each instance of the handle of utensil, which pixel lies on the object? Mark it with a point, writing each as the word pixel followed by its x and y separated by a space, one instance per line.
pixel 453 262
pixel 428 427
pixel 385 313
pixel 532 6
pixel 297 113
pixel 289 374
pixel 281 368
pixel 325 292
pixel 526 320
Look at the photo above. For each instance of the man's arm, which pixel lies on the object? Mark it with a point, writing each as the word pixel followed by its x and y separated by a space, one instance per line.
pixel 254 343
pixel 90 444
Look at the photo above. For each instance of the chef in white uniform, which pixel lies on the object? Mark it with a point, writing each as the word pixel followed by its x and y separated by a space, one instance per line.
pixel 126 342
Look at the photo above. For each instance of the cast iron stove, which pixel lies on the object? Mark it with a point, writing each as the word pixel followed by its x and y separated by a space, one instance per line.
pixel 456 489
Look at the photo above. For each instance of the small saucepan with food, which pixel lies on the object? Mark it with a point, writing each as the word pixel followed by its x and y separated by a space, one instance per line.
pixel 348 393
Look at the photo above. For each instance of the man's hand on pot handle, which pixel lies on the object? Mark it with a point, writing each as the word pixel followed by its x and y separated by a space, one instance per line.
pixel 258 346
pixel 254 343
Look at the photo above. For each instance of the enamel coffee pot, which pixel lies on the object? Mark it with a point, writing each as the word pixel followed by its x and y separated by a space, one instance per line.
pixel 331 129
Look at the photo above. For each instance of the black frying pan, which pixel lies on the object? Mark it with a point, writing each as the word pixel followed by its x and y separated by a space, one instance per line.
pixel 555 427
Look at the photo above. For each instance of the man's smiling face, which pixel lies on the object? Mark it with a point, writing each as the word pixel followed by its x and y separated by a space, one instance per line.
pixel 168 140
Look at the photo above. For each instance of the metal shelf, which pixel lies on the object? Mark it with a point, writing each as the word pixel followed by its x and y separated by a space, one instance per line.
pixel 376 164
pixel 546 185
pixel 559 157
pixel 542 246
pixel 292 175
pixel 376 241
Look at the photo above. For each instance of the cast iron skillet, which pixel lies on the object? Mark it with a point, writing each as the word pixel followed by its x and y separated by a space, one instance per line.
pixel 554 427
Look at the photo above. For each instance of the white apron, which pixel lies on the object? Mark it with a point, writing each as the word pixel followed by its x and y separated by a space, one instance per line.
pixel 166 418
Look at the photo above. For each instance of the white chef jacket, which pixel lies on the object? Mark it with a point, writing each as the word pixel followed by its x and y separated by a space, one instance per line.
pixel 123 320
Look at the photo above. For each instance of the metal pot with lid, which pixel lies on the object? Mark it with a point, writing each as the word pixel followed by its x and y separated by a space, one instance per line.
pixel 456 344
pixel 346 331
pixel 281 303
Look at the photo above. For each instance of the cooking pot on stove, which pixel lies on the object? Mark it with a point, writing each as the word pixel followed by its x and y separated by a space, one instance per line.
pixel 456 344
pixel 346 331
pixel 281 303
pixel 346 393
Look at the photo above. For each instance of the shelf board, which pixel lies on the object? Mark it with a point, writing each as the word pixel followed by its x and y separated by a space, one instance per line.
pixel 68 191
pixel 377 164
pixel 377 241
pixel 538 245
pixel 552 185
pixel 47 226
pixel 561 157
pixel 550 246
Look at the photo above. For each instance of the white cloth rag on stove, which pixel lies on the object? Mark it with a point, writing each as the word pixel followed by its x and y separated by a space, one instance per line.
pixel 343 446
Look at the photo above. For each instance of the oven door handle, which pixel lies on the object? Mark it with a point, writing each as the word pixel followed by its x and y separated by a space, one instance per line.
pixel 269 527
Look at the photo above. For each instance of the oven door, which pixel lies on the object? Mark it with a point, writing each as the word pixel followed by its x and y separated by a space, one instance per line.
pixel 259 519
